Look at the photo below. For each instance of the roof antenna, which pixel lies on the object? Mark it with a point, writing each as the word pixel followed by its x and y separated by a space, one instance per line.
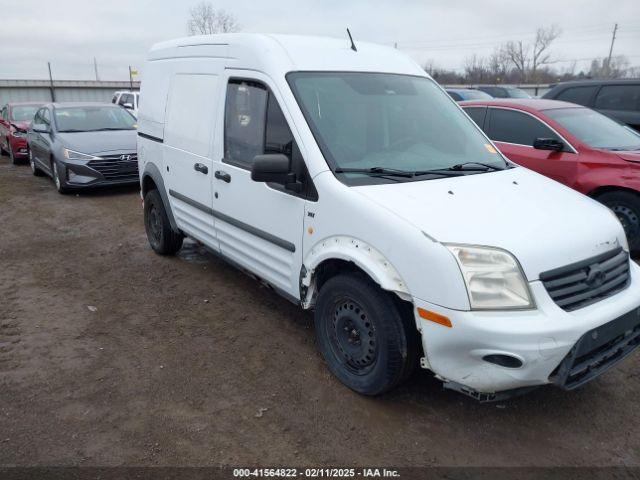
pixel 353 45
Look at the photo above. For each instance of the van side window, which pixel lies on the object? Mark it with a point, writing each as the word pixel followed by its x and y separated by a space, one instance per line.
pixel 244 122
pixel 278 136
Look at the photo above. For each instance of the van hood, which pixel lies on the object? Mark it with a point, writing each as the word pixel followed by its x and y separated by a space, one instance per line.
pixel 98 143
pixel 543 223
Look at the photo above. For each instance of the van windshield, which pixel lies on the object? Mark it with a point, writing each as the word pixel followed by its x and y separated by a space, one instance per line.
pixel 388 121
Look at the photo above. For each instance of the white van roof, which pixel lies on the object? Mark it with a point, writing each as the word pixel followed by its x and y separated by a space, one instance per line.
pixel 280 54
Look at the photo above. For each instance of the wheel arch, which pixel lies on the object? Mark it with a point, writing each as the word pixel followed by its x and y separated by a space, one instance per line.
pixel 596 192
pixel 342 253
pixel 152 179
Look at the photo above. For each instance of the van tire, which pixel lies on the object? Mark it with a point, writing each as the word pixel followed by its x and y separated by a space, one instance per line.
pixel 626 206
pixel 162 238
pixel 351 310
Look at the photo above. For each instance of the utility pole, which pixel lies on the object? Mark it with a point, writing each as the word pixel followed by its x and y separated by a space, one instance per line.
pixel 95 68
pixel 53 91
pixel 613 39
pixel 130 78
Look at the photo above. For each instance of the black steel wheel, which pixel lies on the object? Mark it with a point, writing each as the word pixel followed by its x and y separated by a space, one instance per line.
pixel 161 236
pixel 368 342
pixel 353 336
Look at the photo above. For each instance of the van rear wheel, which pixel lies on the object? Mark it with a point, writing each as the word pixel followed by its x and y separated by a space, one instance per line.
pixel 161 236
pixel 626 206
pixel 364 338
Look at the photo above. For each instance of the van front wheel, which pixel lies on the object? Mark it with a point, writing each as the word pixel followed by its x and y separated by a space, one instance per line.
pixel 161 236
pixel 362 335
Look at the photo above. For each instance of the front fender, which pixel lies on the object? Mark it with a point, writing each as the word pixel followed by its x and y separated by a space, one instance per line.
pixel 363 255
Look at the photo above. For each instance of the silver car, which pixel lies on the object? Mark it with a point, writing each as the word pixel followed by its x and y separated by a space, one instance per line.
pixel 83 145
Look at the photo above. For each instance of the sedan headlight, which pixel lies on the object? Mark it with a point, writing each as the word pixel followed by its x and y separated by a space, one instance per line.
pixel 493 278
pixel 19 134
pixel 73 155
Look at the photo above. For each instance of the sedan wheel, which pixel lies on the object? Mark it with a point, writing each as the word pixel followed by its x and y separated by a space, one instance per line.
pixel 56 179
pixel 32 163
pixel 12 157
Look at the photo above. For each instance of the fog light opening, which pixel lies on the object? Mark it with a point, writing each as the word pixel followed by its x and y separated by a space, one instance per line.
pixel 506 361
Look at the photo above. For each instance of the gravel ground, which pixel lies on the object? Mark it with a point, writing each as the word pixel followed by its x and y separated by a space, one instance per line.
pixel 112 355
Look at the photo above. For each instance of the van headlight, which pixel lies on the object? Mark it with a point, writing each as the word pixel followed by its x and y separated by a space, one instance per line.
pixel 493 277
pixel 73 155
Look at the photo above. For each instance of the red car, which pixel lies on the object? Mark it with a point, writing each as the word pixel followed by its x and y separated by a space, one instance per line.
pixel 15 119
pixel 574 145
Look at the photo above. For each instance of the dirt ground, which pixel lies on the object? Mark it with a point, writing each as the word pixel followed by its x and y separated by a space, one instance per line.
pixel 186 361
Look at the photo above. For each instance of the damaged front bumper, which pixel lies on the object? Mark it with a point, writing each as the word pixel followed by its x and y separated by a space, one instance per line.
pixel 537 347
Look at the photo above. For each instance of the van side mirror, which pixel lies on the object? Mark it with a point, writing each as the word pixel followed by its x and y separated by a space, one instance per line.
pixel 548 144
pixel 274 168
pixel 40 128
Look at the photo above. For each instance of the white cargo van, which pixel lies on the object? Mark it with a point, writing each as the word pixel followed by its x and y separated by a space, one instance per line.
pixel 346 179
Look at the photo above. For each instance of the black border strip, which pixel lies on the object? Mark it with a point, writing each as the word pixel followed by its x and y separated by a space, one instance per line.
pixel 150 137
pixel 236 223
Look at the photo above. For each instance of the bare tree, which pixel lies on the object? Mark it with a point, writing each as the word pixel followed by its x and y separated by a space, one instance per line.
pixel 528 58
pixel 518 55
pixel 617 68
pixel 498 65
pixel 541 55
pixel 205 20
pixel 475 69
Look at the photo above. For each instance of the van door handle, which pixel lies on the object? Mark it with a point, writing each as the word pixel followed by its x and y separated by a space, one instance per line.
pixel 224 176
pixel 199 167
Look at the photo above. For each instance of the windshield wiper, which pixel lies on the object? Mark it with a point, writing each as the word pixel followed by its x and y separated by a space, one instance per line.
pixel 377 171
pixel 108 128
pixel 485 166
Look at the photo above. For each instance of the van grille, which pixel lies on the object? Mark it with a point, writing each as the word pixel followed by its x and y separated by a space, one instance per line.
pixel 117 167
pixel 583 283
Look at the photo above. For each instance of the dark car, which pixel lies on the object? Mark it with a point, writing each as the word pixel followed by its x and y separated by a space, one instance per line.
pixel 83 145
pixel 503 91
pixel 15 119
pixel 461 94
pixel 619 99
pixel 574 145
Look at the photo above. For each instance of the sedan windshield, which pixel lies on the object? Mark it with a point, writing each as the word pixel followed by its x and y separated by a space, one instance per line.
pixel 93 118
pixel 374 124
pixel 23 113
pixel 595 129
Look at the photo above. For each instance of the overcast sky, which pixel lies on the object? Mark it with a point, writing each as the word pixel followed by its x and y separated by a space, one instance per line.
pixel 70 33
